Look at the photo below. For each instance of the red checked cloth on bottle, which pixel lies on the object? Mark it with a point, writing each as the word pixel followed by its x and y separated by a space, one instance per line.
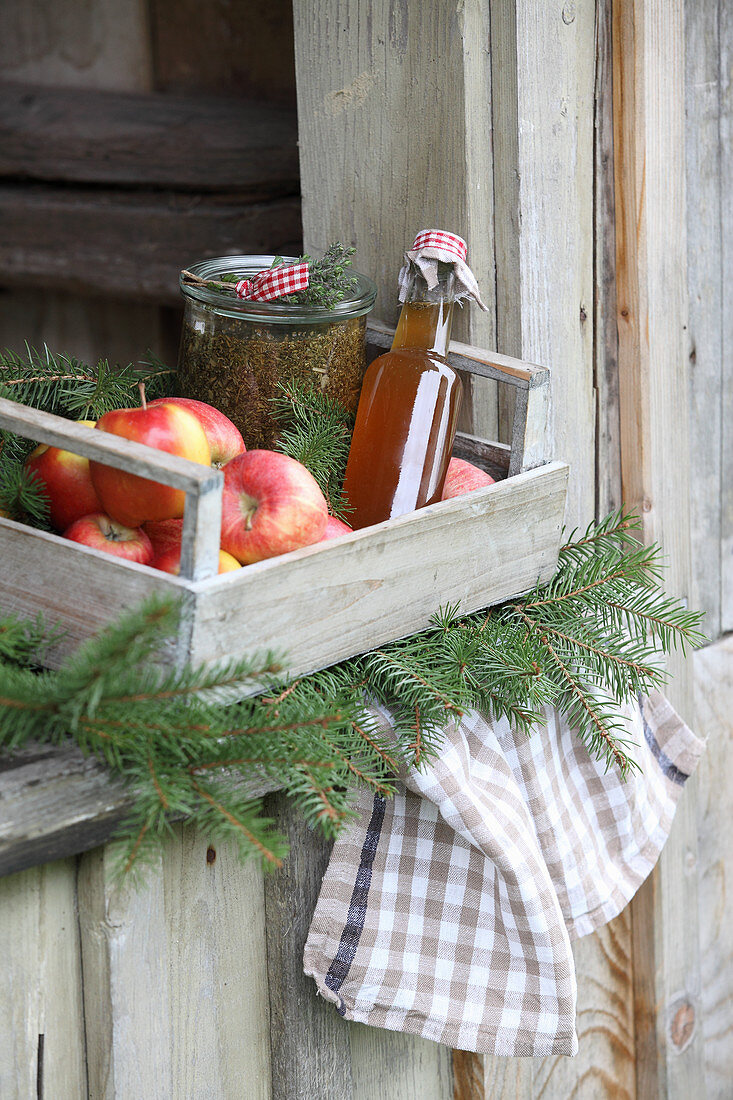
pixel 448 910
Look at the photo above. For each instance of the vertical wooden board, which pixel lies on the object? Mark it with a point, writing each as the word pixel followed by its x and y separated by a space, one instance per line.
pixel 174 975
pixel 543 88
pixel 713 710
pixel 726 390
pixel 126 958
pixel 608 424
pixel 386 1063
pixel 78 43
pixel 705 247
pixel 648 51
pixel 41 1011
pixel 395 136
pixel 544 68
pixel 309 1040
pixel 215 920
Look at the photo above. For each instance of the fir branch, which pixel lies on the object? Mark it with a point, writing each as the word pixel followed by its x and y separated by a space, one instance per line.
pixel 586 642
pixel 23 496
pixel 315 430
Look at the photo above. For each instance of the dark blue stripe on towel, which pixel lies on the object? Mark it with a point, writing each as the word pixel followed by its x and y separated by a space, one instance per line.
pixel 339 968
pixel 668 768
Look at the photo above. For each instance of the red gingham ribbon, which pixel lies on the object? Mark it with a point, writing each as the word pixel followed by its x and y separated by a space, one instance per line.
pixel 448 242
pixel 273 283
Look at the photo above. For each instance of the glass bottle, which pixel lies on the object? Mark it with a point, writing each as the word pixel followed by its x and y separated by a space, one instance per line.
pixel 408 410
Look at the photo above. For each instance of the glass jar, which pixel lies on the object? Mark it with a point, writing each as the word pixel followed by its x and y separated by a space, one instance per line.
pixel 234 352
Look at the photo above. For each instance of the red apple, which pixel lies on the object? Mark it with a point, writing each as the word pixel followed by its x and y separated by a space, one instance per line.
pixel 334 528
pixel 463 477
pixel 169 561
pixel 271 504
pixel 224 438
pixel 131 499
pixel 165 534
pixel 103 533
pixel 67 480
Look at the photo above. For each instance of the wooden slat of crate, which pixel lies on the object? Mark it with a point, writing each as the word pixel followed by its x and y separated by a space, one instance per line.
pixel 320 604
pixel 325 603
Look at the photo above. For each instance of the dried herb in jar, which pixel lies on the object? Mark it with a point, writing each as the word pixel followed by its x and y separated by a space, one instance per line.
pixel 235 352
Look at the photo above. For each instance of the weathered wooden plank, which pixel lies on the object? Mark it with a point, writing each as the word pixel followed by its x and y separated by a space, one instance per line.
pixel 713 670
pixel 55 802
pixel 726 390
pixel 80 588
pixel 174 975
pixel 372 105
pixel 543 70
pixel 203 144
pixel 126 244
pixel 309 1041
pixel 41 1009
pixel 465 357
pixel 648 51
pixel 608 424
pixel 705 247
pixel 324 603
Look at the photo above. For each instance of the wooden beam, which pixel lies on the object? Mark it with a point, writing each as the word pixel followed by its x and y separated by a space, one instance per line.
pixel 55 802
pixel 648 53
pixel 203 144
pixel 129 244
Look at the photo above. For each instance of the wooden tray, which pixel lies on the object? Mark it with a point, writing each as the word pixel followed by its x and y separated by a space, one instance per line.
pixel 323 603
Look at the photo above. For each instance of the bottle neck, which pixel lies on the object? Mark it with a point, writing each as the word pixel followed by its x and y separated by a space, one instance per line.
pixel 427 315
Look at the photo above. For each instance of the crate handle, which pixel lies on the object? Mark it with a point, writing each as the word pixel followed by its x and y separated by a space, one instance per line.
pixel 532 385
pixel 201 484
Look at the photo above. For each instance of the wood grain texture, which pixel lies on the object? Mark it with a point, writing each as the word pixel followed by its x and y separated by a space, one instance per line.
pixel 327 602
pixel 395 99
pixel 203 144
pixel 41 1010
pixel 130 244
pixel 542 99
pixel 713 668
pixel 705 247
pixel 310 1053
pixel 543 83
pixel 648 50
pixel 55 802
pixel 605 331
pixel 726 390
pixel 174 975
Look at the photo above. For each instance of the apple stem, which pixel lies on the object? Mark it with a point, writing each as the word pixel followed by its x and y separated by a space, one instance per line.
pixel 143 402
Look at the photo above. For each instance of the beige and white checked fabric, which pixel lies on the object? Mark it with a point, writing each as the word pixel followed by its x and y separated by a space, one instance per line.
pixel 448 910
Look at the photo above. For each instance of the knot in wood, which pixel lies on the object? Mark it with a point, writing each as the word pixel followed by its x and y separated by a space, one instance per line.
pixel 682 1025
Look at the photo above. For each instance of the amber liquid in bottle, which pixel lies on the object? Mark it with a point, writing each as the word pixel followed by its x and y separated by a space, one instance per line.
pixel 407 414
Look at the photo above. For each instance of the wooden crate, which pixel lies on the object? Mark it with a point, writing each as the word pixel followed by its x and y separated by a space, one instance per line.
pixel 323 603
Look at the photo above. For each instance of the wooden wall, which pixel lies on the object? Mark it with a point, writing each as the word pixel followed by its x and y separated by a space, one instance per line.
pixel 553 135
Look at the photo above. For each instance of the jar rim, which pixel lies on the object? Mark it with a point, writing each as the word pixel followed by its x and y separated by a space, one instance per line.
pixel 356 305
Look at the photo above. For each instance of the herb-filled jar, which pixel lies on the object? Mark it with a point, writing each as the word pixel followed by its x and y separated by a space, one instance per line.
pixel 235 350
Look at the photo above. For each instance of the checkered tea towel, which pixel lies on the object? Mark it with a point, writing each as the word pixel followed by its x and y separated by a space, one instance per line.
pixel 448 910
